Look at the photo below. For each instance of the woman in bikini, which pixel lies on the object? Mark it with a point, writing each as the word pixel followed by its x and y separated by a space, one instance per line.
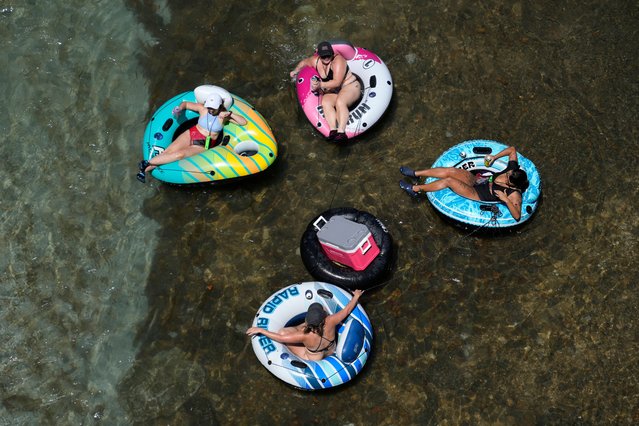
pixel 505 186
pixel 316 337
pixel 339 85
pixel 204 135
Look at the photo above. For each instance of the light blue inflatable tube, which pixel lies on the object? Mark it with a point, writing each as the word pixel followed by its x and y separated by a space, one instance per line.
pixel 469 155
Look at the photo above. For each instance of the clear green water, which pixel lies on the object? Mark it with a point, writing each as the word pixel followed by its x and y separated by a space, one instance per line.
pixel 124 303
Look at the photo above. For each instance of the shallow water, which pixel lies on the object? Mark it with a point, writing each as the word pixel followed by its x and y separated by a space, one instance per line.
pixel 124 303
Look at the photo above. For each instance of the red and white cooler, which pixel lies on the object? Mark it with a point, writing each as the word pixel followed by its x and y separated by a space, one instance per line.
pixel 347 242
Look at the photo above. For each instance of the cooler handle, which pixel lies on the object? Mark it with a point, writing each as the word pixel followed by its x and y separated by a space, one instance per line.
pixel 317 228
pixel 364 250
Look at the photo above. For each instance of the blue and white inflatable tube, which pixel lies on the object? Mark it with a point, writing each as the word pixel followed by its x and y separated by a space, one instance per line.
pixel 287 307
pixel 469 155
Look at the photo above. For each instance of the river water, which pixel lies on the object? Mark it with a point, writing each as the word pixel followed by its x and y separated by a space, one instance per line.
pixel 124 303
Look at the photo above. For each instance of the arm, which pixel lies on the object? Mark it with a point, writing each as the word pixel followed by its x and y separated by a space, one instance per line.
pixel 514 204
pixel 340 316
pixel 193 106
pixel 510 152
pixel 282 338
pixel 227 116
pixel 306 62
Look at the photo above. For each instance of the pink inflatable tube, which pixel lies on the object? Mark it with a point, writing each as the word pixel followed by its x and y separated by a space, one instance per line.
pixel 377 90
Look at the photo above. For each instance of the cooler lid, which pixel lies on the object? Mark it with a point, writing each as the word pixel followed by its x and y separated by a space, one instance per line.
pixel 343 233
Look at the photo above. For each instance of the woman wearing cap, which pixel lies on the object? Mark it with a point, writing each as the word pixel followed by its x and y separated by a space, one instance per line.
pixel 505 186
pixel 316 337
pixel 338 84
pixel 204 135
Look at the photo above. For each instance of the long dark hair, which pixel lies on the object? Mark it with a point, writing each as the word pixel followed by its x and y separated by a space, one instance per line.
pixel 519 178
pixel 317 329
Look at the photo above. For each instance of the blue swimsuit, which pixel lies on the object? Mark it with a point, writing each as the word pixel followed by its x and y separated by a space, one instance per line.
pixel 213 125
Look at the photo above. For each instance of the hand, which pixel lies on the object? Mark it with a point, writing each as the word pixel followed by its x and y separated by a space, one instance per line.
pixel 224 114
pixel 315 85
pixel 293 74
pixel 176 111
pixel 501 195
pixel 488 160
pixel 358 293
pixel 252 331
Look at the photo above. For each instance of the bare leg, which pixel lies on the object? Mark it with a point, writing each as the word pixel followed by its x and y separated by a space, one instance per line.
pixel 448 172
pixel 328 105
pixel 347 95
pixel 459 187
pixel 177 150
pixel 179 143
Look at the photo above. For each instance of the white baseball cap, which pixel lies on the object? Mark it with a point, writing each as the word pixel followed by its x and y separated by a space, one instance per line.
pixel 214 101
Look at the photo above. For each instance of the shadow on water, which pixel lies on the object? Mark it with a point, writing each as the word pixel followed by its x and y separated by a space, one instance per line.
pixel 533 327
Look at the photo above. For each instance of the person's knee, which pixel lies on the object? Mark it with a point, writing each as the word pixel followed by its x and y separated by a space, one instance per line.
pixel 447 181
pixel 452 183
pixel 329 99
pixel 345 102
pixel 327 105
pixel 341 103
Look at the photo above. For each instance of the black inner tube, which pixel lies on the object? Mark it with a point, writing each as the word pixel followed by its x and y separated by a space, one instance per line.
pixel 324 269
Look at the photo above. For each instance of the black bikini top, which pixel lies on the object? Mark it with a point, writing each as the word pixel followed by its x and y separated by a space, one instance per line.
pixel 317 349
pixel 512 165
pixel 329 74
